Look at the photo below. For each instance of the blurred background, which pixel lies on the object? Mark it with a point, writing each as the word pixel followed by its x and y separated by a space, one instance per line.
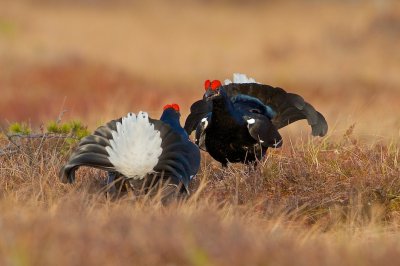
pixel 99 59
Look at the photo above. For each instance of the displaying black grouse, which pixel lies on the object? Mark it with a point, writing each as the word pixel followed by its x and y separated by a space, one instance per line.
pixel 239 121
pixel 139 148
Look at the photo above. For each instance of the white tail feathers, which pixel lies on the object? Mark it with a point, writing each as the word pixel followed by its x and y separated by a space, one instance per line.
pixel 135 146
pixel 240 78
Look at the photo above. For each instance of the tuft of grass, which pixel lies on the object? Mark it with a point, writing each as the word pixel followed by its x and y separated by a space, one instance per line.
pixel 75 128
pixel 19 128
pixel 78 129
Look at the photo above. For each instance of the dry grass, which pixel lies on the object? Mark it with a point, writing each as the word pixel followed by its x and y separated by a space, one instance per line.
pixel 317 202
pixel 330 201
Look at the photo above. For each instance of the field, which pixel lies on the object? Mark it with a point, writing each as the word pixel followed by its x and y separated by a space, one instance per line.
pixel 316 201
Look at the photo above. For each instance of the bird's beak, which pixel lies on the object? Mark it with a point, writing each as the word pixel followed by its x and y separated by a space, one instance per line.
pixel 210 94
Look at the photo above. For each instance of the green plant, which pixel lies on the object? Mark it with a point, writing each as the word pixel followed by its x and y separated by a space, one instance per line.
pixel 74 128
pixel 19 128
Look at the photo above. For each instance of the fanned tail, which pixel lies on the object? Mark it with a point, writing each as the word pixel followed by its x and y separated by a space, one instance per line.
pixel 91 151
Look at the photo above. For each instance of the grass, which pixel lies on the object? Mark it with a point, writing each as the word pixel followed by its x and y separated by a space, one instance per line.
pixel 314 202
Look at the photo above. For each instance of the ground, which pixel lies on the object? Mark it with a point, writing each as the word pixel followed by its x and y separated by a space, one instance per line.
pixel 331 200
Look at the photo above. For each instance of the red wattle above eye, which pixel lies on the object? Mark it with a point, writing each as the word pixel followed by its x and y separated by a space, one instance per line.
pixel 215 84
pixel 207 84
pixel 175 106
pixel 167 106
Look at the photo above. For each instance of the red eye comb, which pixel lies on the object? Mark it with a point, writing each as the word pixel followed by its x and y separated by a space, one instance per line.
pixel 215 84
pixel 173 106
pixel 207 84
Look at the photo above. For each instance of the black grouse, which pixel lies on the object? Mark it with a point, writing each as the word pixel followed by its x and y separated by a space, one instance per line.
pixel 239 121
pixel 137 147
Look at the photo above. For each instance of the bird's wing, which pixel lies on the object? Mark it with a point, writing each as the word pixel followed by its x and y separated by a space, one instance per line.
pixel 180 158
pixel 247 104
pixel 194 159
pixel 258 118
pixel 91 151
pixel 262 130
pixel 288 107
pixel 198 111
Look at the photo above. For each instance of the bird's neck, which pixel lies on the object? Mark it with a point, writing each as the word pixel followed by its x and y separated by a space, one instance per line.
pixel 170 119
pixel 223 111
pixel 173 121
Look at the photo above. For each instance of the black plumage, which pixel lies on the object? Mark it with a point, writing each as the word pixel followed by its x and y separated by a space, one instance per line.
pixel 178 162
pixel 238 122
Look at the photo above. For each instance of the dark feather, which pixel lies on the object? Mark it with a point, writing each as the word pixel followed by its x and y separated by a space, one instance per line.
pixel 289 107
pixel 263 131
pixel 198 111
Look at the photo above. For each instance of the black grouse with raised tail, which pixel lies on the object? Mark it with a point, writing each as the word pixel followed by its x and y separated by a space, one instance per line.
pixel 239 121
pixel 137 147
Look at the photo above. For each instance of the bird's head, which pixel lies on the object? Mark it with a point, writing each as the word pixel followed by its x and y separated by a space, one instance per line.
pixel 212 88
pixel 172 109
pixel 171 116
